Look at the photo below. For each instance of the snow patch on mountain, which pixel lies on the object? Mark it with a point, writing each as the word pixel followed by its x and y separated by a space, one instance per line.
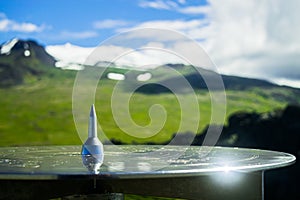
pixel 6 48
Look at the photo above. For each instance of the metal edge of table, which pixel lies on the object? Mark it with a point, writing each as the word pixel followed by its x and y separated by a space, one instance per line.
pixel 182 184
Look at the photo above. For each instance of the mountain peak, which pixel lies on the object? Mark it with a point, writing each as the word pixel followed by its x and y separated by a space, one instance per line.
pixel 22 58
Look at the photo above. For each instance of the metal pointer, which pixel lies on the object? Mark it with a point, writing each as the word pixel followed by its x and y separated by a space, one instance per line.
pixel 92 150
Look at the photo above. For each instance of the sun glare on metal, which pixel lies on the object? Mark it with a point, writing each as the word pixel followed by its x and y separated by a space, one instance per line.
pixel 226 169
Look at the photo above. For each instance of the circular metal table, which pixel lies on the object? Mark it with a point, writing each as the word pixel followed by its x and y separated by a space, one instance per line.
pixel 199 173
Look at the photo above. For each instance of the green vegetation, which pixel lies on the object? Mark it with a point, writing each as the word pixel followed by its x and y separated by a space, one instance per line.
pixel 39 112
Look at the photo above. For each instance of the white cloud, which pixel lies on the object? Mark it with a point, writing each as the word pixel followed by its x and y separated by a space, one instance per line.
pixel 178 7
pixel 4 24
pixel 73 57
pixel 78 35
pixel 151 33
pixel 144 57
pixel 179 25
pixel 11 25
pixel 195 10
pixel 142 48
pixel 68 55
pixel 158 4
pixel 192 28
pixel 110 23
pixel 26 27
pixel 255 38
pixel 181 1
pixel 148 58
pixel 246 38
pixel 287 82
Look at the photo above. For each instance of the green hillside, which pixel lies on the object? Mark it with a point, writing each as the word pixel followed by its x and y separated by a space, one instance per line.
pixel 36 99
pixel 39 112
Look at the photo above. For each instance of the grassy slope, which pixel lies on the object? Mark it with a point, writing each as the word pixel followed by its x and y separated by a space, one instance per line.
pixel 40 112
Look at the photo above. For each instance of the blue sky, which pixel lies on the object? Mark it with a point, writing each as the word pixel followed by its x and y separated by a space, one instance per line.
pixel 252 38
pixel 79 22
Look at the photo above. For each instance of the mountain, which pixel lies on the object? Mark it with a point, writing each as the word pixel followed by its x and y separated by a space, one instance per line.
pixel 198 79
pixel 22 60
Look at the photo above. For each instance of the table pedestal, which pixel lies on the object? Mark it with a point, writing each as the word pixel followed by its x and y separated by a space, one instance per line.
pixel 224 185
